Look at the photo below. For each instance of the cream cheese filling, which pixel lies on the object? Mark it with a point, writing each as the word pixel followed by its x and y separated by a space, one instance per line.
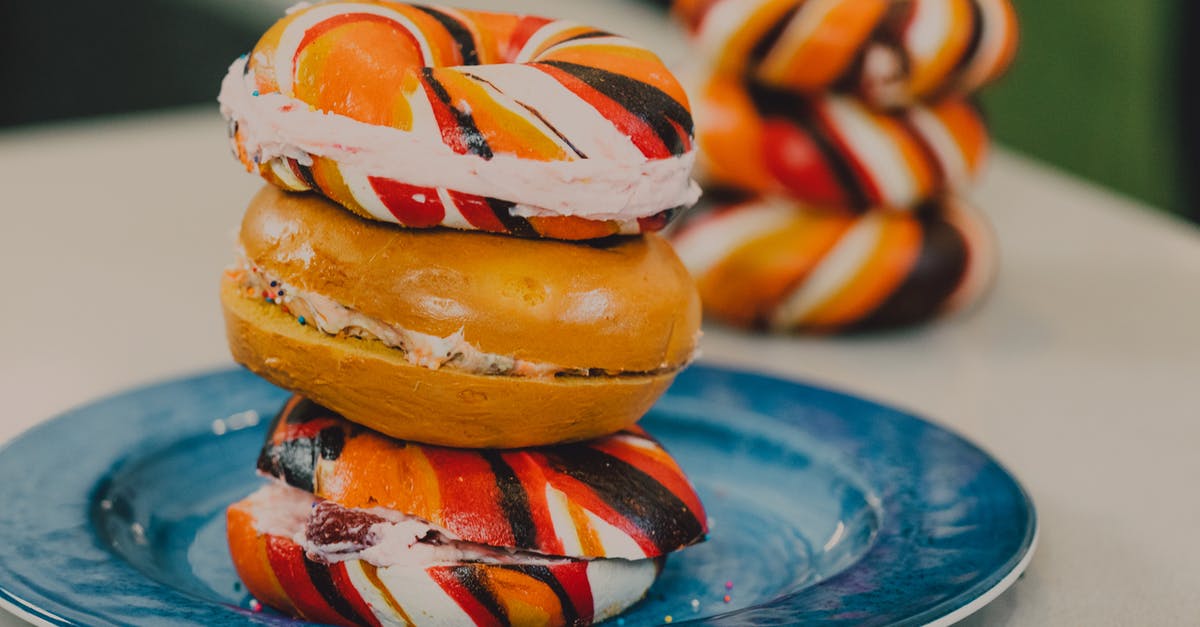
pixel 330 533
pixel 420 349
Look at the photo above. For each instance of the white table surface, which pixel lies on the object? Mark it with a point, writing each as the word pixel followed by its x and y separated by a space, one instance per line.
pixel 1079 373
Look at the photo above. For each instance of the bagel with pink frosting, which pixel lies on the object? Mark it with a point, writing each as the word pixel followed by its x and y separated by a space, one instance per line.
pixel 430 116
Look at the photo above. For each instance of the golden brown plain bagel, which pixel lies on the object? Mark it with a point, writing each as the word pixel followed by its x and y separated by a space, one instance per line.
pixel 375 386
pixel 626 306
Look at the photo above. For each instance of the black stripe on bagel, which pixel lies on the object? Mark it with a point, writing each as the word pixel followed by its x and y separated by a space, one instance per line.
pixel 472 578
pixel 514 501
pixel 641 99
pixel 461 34
pixel 472 137
pixel 771 37
pixel 322 580
pixel 514 225
pixel 935 275
pixel 633 494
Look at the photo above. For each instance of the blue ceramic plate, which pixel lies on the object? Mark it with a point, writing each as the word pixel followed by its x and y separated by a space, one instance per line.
pixel 825 509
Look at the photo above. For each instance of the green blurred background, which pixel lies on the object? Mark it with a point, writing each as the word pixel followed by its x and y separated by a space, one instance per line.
pixel 1097 89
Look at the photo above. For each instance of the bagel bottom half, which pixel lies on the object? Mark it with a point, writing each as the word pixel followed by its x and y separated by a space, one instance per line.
pixel 534 591
pixel 375 386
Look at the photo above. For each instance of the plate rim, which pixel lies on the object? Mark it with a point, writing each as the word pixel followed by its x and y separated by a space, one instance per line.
pixel 948 612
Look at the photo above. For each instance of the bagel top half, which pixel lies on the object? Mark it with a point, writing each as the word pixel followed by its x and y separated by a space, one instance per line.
pixel 461 339
pixel 432 116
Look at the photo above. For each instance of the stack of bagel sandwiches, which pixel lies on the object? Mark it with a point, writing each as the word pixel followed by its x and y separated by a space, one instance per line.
pixel 843 134
pixel 454 269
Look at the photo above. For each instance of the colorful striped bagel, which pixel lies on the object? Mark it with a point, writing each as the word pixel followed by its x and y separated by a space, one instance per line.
pixel 775 264
pixel 892 53
pixel 430 116
pixel 621 496
pixel 833 151
pixel 361 529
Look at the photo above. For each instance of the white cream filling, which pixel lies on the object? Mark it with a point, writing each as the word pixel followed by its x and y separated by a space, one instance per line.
pixel 274 125
pixel 420 349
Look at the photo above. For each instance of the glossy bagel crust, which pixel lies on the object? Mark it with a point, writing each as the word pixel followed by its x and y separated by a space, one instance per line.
pixel 626 305
pixel 377 387
pixel 621 496
pixel 277 572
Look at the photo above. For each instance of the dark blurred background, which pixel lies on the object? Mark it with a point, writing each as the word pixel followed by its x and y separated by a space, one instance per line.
pixel 1100 87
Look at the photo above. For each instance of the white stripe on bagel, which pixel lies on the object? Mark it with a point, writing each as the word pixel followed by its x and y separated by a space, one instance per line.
pixel 870 145
pixel 710 239
pixel 834 271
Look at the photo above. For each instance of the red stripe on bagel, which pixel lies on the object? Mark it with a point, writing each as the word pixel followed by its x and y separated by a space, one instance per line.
pixel 478 211
pixel 413 206
pixel 522 34
pixel 341 581
pixel 798 161
pixel 531 477
pixel 574 580
pixel 287 560
pixel 642 135
pixel 470 499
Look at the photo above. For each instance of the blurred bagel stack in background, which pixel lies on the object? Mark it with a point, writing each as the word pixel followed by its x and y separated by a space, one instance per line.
pixel 836 140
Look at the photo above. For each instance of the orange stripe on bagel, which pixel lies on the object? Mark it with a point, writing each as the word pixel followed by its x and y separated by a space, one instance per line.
pixel 966 125
pixel 750 283
pixel 335 74
pixel 249 551
pixel 573 227
pixel 893 256
pixel 731 137
pixel 328 175
pixel 589 538
pixel 927 75
pixel 526 600
pixel 505 130
pixel 372 574
pixel 824 56
pixel 374 471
